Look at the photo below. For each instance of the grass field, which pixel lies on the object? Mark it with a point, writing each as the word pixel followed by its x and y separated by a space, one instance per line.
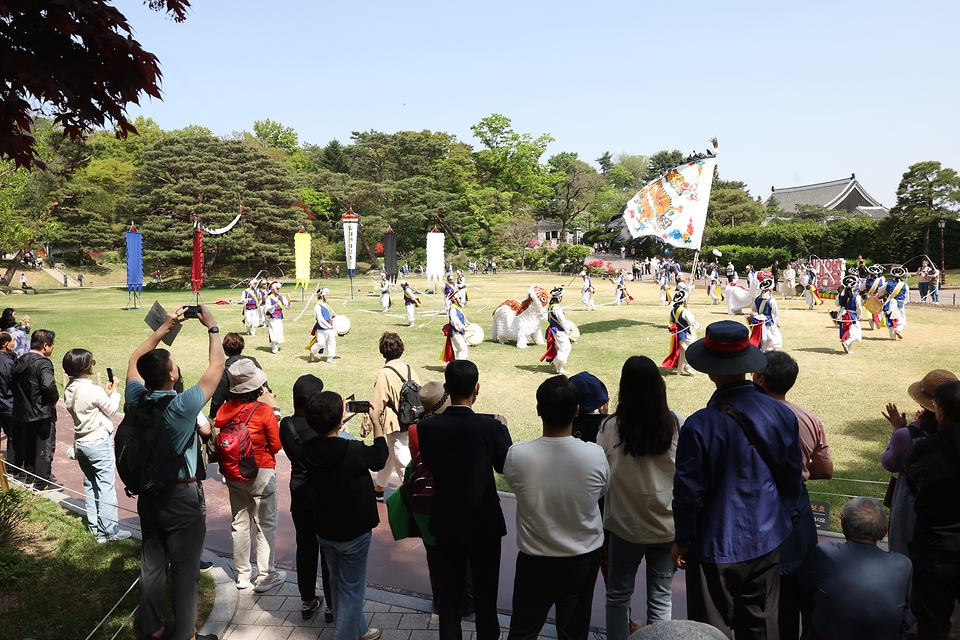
pixel 846 391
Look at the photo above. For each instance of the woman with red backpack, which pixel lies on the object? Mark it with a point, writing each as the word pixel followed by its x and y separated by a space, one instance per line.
pixel 247 443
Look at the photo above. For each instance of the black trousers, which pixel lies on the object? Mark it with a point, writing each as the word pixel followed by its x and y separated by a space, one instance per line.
pixel 38 442
pixel 543 582
pixel 741 598
pixel 936 587
pixel 483 554
pixel 433 569
pixel 308 552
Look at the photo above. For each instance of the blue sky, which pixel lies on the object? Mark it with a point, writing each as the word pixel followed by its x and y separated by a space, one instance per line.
pixel 797 92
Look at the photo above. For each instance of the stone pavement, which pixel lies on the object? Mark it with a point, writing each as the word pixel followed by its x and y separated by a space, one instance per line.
pixel 275 615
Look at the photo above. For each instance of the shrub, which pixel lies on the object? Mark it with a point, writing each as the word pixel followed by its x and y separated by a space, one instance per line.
pixel 13 510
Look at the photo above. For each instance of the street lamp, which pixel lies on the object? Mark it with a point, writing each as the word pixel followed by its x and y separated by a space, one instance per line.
pixel 943 273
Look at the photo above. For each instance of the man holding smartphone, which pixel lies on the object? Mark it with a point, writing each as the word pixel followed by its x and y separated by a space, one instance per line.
pixel 173 525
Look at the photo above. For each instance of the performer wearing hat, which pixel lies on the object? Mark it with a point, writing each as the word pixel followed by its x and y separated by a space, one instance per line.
pixel 663 280
pixel 873 287
pixel 683 333
pixel 251 307
pixel 715 289
pixel 449 289
pixel 765 317
pixel 809 282
pixel 462 288
pixel 586 295
pixel 410 302
pixel 621 292
pixel 456 347
pixel 273 308
pixel 729 525
pixel 558 342
pixel 851 312
pixel 263 290
pixel 324 336
pixel 898 293
pixel 385 300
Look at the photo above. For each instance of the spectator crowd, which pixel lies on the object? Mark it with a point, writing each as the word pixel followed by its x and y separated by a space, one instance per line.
pixel 720 494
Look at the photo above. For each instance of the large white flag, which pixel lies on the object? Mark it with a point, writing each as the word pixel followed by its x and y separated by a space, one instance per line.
pixel 674 206
pixel 435 256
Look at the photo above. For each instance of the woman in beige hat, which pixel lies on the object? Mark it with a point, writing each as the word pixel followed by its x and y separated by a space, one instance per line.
pixel 902 516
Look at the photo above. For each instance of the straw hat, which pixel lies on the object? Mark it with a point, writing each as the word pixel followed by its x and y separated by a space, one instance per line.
pixel 925 390
pixel 433 398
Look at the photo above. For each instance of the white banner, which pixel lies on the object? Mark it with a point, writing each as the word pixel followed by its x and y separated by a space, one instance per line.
pixel 435 257
pixel 351 222
pixel 674 206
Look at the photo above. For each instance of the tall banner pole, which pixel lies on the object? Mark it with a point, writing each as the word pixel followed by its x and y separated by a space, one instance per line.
pixel 351 223
pixel 301 252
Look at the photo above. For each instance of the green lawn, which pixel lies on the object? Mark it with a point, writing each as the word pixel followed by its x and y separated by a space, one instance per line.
pixel 847 392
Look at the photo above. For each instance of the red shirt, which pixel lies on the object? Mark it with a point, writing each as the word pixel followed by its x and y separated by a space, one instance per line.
pixel 263 428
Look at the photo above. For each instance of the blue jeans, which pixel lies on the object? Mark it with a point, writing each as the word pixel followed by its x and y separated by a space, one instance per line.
pixel 625 560
pixel 99 486
pixel 348 584
pixel 935 293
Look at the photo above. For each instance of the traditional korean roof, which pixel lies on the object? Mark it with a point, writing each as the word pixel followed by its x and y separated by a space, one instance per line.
pixel 846 194
pixel 877 213
pixel 547 225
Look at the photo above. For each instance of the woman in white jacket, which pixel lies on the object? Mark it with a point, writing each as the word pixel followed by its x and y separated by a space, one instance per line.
pixel 91 407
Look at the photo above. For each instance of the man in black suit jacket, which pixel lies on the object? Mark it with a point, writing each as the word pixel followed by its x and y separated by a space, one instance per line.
pixel 462 449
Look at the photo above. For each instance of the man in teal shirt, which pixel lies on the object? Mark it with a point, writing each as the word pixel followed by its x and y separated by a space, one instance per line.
pixel 173 525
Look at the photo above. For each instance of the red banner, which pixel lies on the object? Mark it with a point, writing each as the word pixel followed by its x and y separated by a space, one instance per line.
pixel 829 272
pixel 196 273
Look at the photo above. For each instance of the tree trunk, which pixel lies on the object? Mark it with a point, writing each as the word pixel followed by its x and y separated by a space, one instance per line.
pixel 456 238
pixel 15 263
pixel 926 239
pixel 371 254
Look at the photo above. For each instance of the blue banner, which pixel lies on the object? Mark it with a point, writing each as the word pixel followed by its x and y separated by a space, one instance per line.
pixel 134 261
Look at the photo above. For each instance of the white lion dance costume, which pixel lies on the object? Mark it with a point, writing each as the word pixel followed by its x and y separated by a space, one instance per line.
pixel 739 297
pixel 518 321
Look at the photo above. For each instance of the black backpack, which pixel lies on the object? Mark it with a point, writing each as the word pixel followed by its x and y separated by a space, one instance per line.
pixel 146 460
pixel 410 409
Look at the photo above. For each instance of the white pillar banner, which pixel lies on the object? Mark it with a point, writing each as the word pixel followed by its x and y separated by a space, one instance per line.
pixel 351 222
pixel 435 256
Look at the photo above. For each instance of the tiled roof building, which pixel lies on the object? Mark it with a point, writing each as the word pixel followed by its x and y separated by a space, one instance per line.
pixel 847 195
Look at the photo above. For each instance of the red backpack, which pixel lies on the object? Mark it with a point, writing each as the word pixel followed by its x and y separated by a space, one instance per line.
pixel 237 459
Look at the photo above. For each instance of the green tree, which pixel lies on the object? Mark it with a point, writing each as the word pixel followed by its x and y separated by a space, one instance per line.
pixel 573 185
pixel 731 204
pixel 606 163
pixel 927 192
pixel 207 179
pixel 276 136
pixel 815 212
pixel 660 162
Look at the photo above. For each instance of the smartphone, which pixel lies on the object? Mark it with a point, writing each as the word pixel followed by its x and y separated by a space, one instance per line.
pixel 358 406
pixel 192 311
pixel 109 374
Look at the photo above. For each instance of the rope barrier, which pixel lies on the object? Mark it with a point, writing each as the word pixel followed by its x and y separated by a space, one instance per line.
pixel 125 622
pixel 66 488
pixel 113 608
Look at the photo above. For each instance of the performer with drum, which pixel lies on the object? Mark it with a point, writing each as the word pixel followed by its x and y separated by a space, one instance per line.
pixel 449 289
pixel 586 293
pixel 273 308
pixel 324 336
pixel 851 312
pixel 809 282
pixel 898 293
pixel 251 307
pixel 765 317
pixel 462 288
pixel 385 300
pixel 558 341
pixel 456 345
pixel 873 288
pixel 683 333
pixel 621 291
pixel 410 302
pixel 715 289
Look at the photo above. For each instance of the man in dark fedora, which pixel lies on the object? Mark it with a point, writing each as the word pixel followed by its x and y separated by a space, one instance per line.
pixel 736 487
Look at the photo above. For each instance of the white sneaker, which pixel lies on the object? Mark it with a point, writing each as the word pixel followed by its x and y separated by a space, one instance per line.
pixel 277 579
pixel 121 534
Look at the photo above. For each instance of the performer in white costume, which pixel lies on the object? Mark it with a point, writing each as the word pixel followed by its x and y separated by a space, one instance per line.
pixel 586 293
pixel 558 341
pixel 851 313
pixel 449 289
pixel 410 302
pixel 621 292
pixel 665 295
pixel 262 292
pixel 324 335
pixel 251 307
pixel 875 286
pixel 462 289
pixel 385 300
pixel 715 289
pixel 456 347
pixel 273 309
pixel 898 294
pixel 683 333
pixel 765 316
pixel 789 285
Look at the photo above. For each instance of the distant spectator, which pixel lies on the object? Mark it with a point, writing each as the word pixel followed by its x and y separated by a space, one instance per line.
pixel 80 279
pixel 34 415
pixel 384 405
pixel 861 591
pixel 558 480
pixel 254 502
pixel 294 432
pixel 732 502
pixel 640 442
pixel 23 281
pixel 7 359
pixel 92 408
pixel 19 329
pixel 462 449
pixel 932 464
pixel 776 379
pixel 344 508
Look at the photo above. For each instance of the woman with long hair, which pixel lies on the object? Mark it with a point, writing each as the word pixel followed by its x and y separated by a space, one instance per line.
pixel 640 440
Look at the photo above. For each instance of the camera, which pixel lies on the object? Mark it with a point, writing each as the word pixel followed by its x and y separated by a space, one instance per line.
pixel 191 311
pixel 358 406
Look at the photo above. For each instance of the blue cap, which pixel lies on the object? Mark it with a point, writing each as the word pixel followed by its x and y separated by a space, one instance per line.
pixel 593 393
